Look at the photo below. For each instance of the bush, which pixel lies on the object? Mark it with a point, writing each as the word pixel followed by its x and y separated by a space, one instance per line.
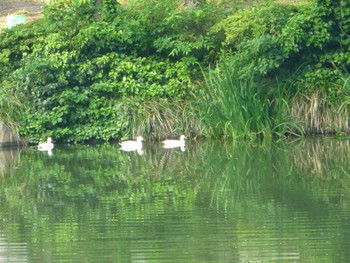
pixel 72 70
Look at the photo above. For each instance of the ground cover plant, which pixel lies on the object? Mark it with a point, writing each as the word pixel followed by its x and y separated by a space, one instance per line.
pixel 223 69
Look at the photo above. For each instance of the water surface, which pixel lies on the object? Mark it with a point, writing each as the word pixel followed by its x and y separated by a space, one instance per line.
pixel 285 202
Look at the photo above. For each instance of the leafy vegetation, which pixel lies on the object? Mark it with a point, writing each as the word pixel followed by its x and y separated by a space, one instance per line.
pixel 235 107
pixel 72 82
pixel 86 72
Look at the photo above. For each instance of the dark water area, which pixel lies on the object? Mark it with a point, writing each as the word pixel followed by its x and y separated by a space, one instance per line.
pixel 281 202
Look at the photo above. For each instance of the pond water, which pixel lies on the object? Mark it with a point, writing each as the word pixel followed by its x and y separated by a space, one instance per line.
pixel 283 202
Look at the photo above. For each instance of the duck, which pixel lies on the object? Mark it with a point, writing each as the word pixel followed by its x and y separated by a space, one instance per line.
pixel 46 146
pixel 174 143
pixel 130 145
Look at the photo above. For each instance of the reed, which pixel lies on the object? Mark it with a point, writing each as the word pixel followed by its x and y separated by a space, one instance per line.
pixel 318 116
pixel 11 108
pixel 242 108
pixel 158 119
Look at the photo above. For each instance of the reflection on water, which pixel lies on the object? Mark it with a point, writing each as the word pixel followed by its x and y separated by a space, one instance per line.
pixel 287 202
pixel 9 157
pixel 12 252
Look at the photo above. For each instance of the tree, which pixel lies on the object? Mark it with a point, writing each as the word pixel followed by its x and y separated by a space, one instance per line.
pixel 98 3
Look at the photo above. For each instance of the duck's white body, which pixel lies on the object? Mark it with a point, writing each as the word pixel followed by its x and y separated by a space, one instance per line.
pixel 175 143
pixel 46 146
pixel 129 146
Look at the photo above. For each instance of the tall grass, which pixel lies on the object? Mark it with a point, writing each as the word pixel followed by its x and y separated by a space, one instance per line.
pixel 318 116
pixel 243 108
pixel 11 108
pixel 323 114
pixel 158 119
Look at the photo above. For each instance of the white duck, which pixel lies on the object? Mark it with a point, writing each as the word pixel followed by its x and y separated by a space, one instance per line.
pixel 175 143
pixel 129 146
pixel 46 146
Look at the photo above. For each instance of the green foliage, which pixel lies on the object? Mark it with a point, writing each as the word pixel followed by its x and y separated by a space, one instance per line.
pixel 11 108
pixel 110 8
pixel 258 57
pixel 251 39
pixel 233 108
pixel 62 14
pixel 185 33
pixel 72 70
pixel 240 108
pixel 71 81
pixel 16 43
pixel 315 38
pixel 75 73
pixel 307 30
pixel 249 24
pixel 309 42
pixel 59 94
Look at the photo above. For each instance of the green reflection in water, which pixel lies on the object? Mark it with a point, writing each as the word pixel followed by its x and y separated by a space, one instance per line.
pixel 212 203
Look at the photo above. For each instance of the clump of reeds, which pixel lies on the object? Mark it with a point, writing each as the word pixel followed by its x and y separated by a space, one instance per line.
pixel 162 118
pixel 318 116
pixel 235 107
pixel 11 108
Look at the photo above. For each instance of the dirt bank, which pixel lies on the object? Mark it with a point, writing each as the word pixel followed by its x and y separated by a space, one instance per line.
pixel 31 9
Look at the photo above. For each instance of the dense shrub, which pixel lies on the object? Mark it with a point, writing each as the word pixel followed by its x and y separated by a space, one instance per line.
pixel 73 77
pixel 73 70
pixel 317 41
pixel 309 42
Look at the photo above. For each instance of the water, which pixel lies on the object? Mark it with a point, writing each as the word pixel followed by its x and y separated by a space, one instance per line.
pixel 286 202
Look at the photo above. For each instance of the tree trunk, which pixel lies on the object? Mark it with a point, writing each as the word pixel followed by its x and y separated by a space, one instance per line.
pixel 98 4
pixel 194 3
